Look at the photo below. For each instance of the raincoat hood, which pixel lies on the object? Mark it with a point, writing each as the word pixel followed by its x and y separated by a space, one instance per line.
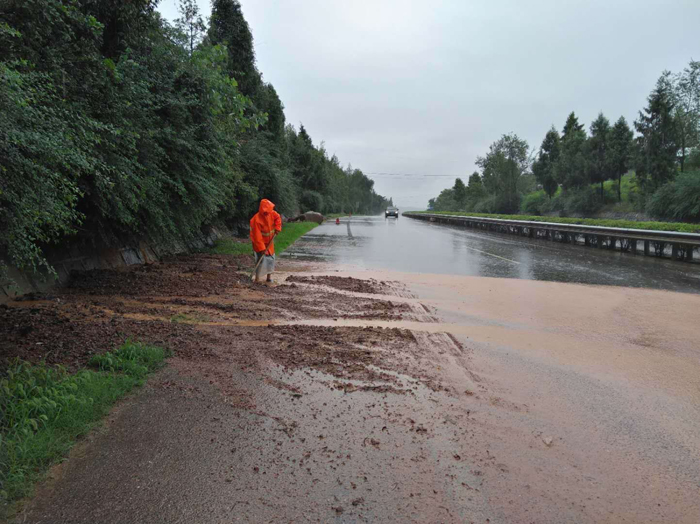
pixel 266 207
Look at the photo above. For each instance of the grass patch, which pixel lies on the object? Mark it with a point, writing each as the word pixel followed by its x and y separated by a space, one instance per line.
pixel 291 232
pixel 629 186
pixel 231 246
pixel 603 222
pixel 45 409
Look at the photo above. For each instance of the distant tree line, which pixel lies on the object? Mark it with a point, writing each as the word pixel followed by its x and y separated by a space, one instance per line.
pixel 575 172
pixel 115 124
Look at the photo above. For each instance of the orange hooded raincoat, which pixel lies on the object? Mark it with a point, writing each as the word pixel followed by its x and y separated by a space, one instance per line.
pixel 263 225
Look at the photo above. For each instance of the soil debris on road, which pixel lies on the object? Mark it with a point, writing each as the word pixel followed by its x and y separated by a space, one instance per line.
pixel 355 285
pixel 242 374
pixel 297 401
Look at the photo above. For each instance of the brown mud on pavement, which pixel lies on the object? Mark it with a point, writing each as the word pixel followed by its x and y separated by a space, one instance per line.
pixel 251 420
pixel 160 303
pixel 344 399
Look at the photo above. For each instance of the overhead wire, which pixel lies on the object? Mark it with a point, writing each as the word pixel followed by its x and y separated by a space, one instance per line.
pixel 419 175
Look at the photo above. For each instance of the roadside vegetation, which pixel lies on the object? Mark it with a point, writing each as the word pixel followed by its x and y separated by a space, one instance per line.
pixel 607 169
pixel 44 410
pixel 602 222
pixel 291 231
pixel 119 125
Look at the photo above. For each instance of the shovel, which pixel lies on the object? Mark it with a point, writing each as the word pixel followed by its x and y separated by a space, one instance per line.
pixel 255 270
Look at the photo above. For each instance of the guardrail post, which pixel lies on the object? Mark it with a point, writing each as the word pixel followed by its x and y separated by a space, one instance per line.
pixel 689 254
pixel 646 247
pixel 674 251
pixel 587 240
pixel 633 245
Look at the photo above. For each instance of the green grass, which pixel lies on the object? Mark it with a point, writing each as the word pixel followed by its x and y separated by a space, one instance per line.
pixel 628 186
pixel 290 234
pixel 630 224
pixel 45 410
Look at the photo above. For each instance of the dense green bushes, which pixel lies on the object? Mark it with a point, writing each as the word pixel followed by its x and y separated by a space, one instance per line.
pixel 679 199
pixel 581 201
pixel 603 222
pixel 115 125
pixel 536 203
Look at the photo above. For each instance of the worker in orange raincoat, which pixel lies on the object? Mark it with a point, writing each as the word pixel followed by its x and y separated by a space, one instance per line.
pixel 264 225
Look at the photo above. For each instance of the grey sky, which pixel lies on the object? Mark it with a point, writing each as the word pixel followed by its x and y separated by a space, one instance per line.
pixel 403 86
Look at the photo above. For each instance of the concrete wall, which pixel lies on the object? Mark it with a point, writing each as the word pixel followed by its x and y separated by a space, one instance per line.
pixel 65 259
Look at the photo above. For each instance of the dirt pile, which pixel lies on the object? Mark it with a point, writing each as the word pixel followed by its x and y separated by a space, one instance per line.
pixel 355 285
pixel 170 303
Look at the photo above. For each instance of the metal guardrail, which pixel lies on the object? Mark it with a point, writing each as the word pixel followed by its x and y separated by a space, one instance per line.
pixel 642 234
pixel 681 244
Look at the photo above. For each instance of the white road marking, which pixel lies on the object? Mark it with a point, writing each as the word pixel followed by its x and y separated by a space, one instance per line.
pixel 492 255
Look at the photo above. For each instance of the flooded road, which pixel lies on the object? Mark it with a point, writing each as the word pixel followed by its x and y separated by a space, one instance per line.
pixel 416 246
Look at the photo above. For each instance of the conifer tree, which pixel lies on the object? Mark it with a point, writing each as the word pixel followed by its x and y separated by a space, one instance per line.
pixel 620 152
pixel 544 167
pixel 597 153
pixel 656 162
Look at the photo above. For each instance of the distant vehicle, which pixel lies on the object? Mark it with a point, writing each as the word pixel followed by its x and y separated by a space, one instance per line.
pixel 391 212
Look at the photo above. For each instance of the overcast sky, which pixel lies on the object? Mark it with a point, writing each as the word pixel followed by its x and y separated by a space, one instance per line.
pixel 401 86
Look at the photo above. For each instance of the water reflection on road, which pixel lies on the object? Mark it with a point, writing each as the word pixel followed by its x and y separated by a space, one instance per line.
pixel 410 245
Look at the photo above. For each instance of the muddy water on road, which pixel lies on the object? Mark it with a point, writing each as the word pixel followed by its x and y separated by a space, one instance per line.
pixel 410 245
pixel 588 396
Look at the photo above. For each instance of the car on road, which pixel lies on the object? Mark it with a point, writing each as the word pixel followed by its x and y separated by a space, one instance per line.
pixel 391 212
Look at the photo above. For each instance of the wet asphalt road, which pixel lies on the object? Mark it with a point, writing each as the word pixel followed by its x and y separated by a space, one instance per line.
pixel 416 246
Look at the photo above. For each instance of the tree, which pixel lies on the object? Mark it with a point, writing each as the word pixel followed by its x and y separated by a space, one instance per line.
pixel 306 162
pixel 597 157
pixel 686 111
pixel 125 24
pixel 460 194
pixel 230 28
pixel 570 169
pixel 475 188
pixel 268 101
pixel 502 167
pixel 544 168
pixel 190 23
pixel 620 146
pixel 445 201
pixel 656 162
pixel 572 125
